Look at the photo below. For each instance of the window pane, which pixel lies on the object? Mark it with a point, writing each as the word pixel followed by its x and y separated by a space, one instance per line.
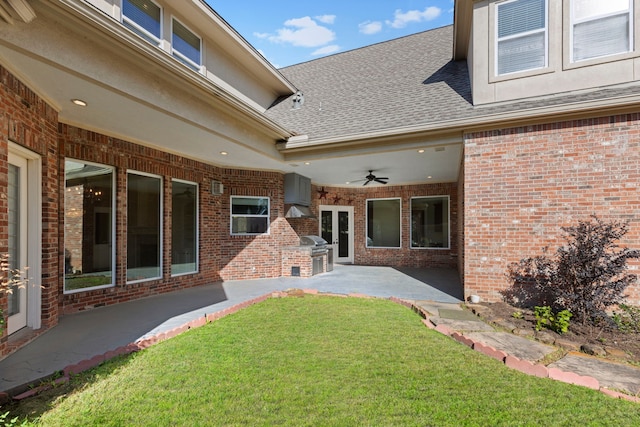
pixel 184 229
pixel 522 53
pixel 249 215
pixel 601 37
pixel 143 227
pixel 185 42
pixel 249 225
pixel 88 226
pixel 520 16
pixel 14 215
pixel 585 9
pixel 430 222
pixel 145 14
pixel 383 223
pixel 249 206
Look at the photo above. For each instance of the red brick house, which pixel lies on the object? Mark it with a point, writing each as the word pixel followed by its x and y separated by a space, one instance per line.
pixel 147 148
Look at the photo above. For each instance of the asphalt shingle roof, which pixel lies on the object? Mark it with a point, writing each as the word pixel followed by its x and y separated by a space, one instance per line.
pixel 406 82
pixel 382 86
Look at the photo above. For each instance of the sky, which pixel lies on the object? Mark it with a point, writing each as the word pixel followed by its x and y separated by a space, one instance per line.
pixel 288 32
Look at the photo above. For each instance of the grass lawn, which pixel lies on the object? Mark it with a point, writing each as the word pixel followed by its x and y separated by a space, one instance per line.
pixel 319 361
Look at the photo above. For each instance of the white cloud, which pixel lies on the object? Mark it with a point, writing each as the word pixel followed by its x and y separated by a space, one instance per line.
pixel 401 19
pixel 370 27
pixel 326 50
pixel 326 19
pixel 303 32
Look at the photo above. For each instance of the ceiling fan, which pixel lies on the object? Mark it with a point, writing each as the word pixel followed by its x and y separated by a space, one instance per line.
pixel 371 177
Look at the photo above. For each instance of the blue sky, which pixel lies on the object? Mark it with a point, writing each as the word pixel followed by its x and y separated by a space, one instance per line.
pixel 288 32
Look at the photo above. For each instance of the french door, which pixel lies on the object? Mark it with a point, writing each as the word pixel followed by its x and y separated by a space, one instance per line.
pixel 336 227
pixel 24 220
pixel 17 242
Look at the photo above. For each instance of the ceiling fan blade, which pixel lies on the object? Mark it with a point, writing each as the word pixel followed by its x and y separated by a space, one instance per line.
pixel 380 180
pixel 366 182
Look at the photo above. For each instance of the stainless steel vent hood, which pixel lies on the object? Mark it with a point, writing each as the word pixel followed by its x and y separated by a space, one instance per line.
pixel 298 211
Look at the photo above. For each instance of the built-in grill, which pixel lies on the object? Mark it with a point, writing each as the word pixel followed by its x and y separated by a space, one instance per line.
pixel 317 243
pixel 319 247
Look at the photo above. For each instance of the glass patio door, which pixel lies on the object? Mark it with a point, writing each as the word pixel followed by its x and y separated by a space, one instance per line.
pixel 336 227
pixel 17 243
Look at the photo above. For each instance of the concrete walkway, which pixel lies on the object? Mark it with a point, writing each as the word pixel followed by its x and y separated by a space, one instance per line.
pixel 434 292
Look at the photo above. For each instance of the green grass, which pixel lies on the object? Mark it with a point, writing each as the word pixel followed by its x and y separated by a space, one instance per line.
pixel 321 361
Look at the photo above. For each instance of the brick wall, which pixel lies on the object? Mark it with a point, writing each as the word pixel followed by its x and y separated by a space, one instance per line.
pixel 28 121
pixel 221 256
pixel 522 184
pixel 404 256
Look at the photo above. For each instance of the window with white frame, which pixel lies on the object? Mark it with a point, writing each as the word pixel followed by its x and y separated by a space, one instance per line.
pixel 600 28
pixel 383 223
pixel 89 199
pixel 186 45
pixel 430 222
pixel 184 227
pixel 521 36
pixel 144 17
pixel 144 227
pixel 249 215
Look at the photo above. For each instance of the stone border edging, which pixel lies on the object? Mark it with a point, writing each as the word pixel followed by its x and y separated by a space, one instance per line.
pixel 512 362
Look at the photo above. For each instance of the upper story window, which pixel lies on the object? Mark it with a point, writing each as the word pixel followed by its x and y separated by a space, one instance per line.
pixel 186 45
pixel 144 18
pixel 521 27
pixel 600 28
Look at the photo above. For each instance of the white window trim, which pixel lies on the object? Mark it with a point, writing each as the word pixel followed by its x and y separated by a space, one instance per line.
pixel 231 215
pixel 181 56
pixel 497 40
pixel 197 254
pixel 448 247
pixel 367 223
pixel 573 22
pixel 129 21
pixel 113 230
pixel 160 225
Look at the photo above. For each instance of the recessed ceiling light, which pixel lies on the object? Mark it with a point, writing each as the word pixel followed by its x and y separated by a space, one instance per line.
pixel 307 163
pixel 429 177
pixel 223 153
pixel 348 182
pixel 421 150
pixel 79 102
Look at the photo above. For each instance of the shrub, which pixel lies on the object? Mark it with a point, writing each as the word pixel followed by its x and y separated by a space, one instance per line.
pixel 558 322
pixel 627 319
pixel 11 279
pixel 585 276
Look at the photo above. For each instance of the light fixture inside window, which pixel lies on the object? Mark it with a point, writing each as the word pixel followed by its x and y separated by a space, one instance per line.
pixel 79 102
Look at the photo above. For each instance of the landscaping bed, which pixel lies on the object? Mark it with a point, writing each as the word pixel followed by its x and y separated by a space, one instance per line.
pixel 604 341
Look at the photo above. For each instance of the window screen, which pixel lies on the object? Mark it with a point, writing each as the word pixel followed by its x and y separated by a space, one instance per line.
pixel 521 36
pixel 600 28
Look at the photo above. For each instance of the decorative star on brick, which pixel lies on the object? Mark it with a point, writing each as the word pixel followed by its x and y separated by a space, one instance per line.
pixel 322 194
pixel 336 199
pixel 350 201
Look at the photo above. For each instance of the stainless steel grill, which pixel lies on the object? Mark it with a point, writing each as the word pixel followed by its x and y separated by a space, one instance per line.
pixel 319 246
